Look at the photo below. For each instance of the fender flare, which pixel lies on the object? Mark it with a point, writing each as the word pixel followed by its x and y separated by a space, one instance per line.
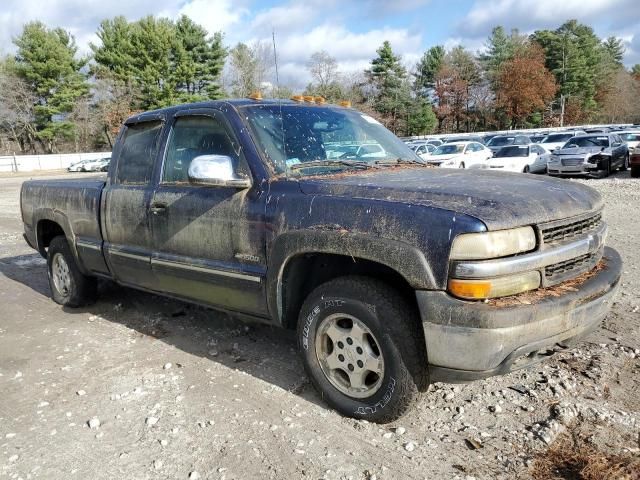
pixel 401 257
pixel 61 219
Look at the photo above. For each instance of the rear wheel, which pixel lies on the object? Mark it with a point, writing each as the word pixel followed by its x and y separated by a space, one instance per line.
pixel 361 348
pixel 69 286
pixel 526 169
pixel 461 165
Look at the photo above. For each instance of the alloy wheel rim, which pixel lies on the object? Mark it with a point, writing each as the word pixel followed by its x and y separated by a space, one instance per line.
pixel 349 355
pixel 61 275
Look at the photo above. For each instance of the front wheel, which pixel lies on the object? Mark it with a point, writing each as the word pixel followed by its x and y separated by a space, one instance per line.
pixel 69 287
pixel 526 169
pixel 362 349
pixel 635 171
pixel 461 165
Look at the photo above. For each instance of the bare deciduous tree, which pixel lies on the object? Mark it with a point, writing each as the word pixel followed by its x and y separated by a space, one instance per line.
pixel 323 69
pixel 17 102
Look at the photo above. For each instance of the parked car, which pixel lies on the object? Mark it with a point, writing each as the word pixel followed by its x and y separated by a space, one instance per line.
pixel 423 151
pixel 365 150
pixel 631 137
pixel 598 154
pixel 460 155
pixel 537 138
pixel 520 158
pixel 386 269
pixel 557 140
pixel 499 141
pixel 633 142
pixel 78 166
pixel 465 138
pixel 98 165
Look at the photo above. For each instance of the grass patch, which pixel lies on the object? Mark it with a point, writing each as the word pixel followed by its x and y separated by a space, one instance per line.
pixel 572 457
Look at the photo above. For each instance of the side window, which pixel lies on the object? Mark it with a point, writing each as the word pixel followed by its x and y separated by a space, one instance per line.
pixel 192 137
pixel 139 148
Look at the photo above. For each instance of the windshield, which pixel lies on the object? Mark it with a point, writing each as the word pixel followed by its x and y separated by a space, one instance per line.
pixel 630 137
pixel 499 141
pixel 587 142
pixel 292 135
pixel 448 149
pixel 520 151
pixel 557 138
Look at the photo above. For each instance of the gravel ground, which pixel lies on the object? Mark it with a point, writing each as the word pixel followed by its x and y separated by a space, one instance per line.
pixel 138 386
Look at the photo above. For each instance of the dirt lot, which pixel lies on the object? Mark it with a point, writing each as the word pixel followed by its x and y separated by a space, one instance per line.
pixel 183 392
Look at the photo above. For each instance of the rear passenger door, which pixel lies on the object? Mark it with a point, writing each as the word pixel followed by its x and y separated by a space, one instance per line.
pixel 125 204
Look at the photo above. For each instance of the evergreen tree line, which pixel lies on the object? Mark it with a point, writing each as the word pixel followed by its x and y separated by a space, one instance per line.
pixel 54 100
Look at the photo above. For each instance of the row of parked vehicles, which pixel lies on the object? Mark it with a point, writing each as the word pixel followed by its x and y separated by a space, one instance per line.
pixel 93 165
pixel 596 152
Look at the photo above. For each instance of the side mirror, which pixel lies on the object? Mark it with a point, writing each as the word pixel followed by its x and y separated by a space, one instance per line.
pixel 215 171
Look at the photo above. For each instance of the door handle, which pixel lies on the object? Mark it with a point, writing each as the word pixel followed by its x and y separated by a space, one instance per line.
pixel 157 207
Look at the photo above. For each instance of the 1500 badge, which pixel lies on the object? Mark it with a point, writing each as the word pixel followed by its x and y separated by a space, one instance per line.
pixel 247 257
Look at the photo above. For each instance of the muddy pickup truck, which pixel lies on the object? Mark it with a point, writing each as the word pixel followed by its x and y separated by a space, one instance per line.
pixel 393 274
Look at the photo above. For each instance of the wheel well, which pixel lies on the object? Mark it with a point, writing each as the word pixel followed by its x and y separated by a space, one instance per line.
pixel 305 272
pixel 46 231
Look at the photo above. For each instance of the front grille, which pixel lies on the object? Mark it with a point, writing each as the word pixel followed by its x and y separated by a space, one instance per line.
pixel 567 231
pixel 571 162
pixel 569 265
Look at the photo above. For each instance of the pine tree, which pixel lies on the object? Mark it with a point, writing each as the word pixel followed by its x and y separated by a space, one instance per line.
pixel 573 54
pixel 168 62
pixel 392 91
pixel 46 61
pixel 427 68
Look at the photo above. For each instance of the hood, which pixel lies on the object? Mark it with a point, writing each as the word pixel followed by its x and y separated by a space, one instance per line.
pixel 498 199
pixel 552 145
pixel 580 151
pixel 442 158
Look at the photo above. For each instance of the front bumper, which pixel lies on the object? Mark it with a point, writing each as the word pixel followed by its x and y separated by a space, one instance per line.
pixel 472 340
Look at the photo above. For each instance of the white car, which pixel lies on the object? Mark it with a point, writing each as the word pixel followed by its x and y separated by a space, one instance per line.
pixel 95 165
pixel 78 166
pixel 424 150
pixel 520 158
pixel 557 140
pixel 632 137
pixel 460 155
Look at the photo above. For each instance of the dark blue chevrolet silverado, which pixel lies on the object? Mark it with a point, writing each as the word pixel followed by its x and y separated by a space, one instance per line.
pixel 316 218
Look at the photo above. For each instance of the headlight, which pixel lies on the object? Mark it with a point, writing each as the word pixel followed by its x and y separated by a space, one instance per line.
pixel 481 246
pixel 494 287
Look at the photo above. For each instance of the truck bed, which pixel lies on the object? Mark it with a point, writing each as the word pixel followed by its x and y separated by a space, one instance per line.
pixel 74 204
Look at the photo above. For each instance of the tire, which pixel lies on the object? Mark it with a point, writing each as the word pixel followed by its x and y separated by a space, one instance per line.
pixel 625 163
pixel 526 169
pixel 387 335
pixel 635 171
pixel 607 170
pixel 69 287
pixel 461 165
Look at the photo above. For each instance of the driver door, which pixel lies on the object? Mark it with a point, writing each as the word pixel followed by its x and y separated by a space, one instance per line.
pixel 196 228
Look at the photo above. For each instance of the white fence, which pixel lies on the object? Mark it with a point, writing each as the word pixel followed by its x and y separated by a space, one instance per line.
pixel 29 163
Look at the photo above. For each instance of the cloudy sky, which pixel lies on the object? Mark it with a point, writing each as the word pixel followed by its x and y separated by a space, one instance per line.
pixel 350 30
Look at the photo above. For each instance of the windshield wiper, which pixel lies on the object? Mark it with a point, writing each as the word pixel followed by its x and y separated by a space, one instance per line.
pixel 332 163
pixel 399 161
